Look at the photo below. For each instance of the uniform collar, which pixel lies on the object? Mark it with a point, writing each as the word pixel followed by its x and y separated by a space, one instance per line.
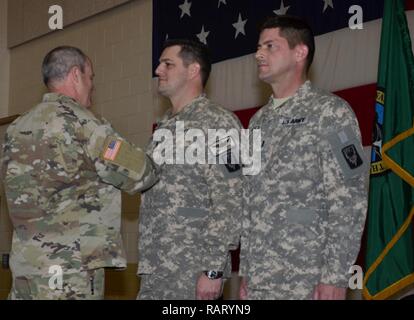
pixel 278 102
pixel 187 109
pixel 54 97
pixel 304 89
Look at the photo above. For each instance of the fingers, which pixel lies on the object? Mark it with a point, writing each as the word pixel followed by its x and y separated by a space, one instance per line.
pixel 243 294
pixel 316 294
pixel 208 295
pixel 329 292
pixel 243 290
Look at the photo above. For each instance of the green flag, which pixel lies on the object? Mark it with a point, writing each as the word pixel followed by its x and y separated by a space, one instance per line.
pixel 390 248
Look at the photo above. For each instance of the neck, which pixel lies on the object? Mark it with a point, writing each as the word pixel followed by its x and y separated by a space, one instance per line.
pixel 64 90
pixel 287 87
pixel 179 101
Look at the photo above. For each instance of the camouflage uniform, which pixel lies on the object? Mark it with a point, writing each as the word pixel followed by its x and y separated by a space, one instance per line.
pixel 62 170
pixel 191 218
pixel 305 211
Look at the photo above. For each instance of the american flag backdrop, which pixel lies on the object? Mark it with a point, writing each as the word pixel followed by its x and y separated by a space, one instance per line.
pixel 345 62
pixel 230 27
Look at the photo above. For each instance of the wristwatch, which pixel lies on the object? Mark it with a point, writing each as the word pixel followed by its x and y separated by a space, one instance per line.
pixel 212 274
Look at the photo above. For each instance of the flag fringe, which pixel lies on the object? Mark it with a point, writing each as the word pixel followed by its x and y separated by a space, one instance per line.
pixel 396 286
pixel 390 290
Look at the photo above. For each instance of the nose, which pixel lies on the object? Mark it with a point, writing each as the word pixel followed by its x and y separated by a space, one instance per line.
pixel 158 70
pixel 259 54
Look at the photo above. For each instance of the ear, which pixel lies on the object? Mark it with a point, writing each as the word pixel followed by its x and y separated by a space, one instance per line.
pixel 301 52
pixel 75 74
pixel 194 70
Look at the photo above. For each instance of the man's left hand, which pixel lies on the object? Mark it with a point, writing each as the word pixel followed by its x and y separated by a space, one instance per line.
pixel 208 289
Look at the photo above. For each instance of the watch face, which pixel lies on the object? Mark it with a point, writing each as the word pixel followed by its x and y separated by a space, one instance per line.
pixel 212 274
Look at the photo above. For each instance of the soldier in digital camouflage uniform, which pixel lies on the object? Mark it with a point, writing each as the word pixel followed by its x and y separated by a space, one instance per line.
pixel 305 210
pixel 63 170
pixel 191 218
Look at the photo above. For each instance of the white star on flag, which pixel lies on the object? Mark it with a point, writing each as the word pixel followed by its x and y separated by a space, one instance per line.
pixel 185 8
pixel 282 9
pixel 239 26
pixel 202 36
pixel 221 2
pixel 327 3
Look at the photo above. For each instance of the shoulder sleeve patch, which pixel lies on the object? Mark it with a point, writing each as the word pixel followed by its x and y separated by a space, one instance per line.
pixel 123 154
pixel 348 152
pixel 111 149
pixel 352 157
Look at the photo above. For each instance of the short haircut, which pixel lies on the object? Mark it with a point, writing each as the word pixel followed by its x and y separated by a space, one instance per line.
pixel 59 61
pixel 192 51
pixel 296 31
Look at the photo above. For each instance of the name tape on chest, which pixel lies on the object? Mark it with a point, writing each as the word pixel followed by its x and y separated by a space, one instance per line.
pixel 292 121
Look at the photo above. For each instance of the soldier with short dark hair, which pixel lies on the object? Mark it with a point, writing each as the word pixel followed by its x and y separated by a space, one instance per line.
pixel 305 210
pixel 63 170
pixel 190 219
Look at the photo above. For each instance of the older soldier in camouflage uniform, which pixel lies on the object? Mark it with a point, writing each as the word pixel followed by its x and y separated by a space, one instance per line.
pixel 190 219
pixel 305 210
pixel 63 171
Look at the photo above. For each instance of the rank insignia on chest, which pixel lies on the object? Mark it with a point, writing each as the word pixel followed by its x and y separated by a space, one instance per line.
pixel 226 151
pixel 222 145
pixel 292 121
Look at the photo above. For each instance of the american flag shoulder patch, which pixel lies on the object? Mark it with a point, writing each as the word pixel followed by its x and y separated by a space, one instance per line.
pixel 112 149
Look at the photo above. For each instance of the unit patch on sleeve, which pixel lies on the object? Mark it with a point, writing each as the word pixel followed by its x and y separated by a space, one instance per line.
pixel 352 157
pixel 348 152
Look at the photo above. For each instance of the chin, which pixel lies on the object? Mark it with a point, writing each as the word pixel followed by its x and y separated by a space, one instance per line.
pixel 163 92
pixel 264 78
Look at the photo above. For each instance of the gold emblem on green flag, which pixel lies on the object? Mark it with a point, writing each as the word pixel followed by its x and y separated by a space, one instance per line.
pixel 378 166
